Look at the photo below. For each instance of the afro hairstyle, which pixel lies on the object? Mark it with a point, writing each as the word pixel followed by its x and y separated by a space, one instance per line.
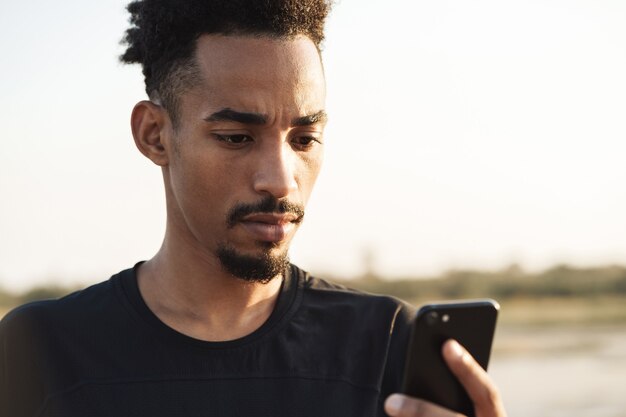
pixel 163 34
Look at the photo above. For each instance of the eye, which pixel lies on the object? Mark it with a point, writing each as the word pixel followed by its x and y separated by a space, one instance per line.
pixel 234 139
pixel 305 142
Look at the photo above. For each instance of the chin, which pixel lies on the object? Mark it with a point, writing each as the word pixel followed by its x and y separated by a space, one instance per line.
pixel 260 267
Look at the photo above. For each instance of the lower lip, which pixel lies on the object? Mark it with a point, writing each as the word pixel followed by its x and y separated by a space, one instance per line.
pixel 268 232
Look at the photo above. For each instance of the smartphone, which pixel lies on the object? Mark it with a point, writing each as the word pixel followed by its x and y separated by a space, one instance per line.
pixel 472 323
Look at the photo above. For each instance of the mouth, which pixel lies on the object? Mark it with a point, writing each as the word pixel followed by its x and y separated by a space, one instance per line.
pixel 270 227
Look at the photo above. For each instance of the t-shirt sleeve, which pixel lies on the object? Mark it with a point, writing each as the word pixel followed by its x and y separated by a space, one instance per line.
pixel 396 355
pixel 20 384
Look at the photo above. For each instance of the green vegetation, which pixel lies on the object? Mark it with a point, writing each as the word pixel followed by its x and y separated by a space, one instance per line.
pixel 591 311
pixel 559 282
pixel 561 295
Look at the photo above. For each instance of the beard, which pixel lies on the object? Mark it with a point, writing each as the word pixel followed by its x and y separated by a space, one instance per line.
pixel 265 266
pixel 254 269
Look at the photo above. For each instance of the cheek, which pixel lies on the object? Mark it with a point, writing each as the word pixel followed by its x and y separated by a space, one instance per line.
pixel 202 187
pixel 310 166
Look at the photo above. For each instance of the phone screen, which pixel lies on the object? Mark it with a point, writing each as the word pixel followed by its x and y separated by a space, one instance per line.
pixel 426 375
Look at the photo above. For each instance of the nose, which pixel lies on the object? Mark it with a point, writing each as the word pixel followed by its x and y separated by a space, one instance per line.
pixel 275 173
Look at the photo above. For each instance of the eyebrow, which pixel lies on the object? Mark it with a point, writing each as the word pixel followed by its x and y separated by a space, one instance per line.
pixel 231 115
pixel 319 117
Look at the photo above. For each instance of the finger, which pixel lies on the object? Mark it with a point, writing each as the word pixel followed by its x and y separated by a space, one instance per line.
pixel 474 379
pixel 398 405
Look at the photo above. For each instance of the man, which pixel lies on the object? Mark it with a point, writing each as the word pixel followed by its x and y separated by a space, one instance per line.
pixel 218 323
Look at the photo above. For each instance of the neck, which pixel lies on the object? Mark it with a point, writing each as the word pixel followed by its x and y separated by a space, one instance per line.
pixel 189 291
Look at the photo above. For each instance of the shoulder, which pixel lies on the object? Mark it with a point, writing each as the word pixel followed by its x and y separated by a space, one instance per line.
pixel 333 299
pixel 375 323
pixel 88 297
pixel 348 323
pixel 331 290
pixel 46 316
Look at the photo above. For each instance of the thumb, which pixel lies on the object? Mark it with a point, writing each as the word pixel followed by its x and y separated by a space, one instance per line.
pixel 479 386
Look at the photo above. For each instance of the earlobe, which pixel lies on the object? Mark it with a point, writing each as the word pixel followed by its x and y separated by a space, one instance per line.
pixel 148 122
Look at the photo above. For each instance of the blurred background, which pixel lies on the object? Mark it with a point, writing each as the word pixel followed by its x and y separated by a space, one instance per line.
pixel 475 149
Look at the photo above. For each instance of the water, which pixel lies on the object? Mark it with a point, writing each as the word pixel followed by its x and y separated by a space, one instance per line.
pixel 559 372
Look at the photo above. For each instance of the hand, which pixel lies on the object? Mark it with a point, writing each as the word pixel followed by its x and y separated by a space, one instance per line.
pixel 477 383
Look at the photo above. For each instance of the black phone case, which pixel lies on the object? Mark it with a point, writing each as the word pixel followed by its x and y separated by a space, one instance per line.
pixel 472 324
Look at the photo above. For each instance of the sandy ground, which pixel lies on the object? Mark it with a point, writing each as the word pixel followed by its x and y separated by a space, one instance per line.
pixel 561 371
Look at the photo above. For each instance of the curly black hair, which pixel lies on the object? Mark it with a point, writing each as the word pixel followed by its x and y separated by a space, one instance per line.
pixel 163 34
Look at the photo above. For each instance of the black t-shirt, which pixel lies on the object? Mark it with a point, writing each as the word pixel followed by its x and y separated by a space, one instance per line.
pixel 325 351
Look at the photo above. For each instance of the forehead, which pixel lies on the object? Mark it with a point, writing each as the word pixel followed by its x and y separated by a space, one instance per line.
pixel 219 50
pixel 258 73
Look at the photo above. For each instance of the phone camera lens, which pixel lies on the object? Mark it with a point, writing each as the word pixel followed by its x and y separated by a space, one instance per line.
pixel 432 318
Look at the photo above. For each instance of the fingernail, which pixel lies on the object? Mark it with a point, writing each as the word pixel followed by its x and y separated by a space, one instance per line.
pixel 394 403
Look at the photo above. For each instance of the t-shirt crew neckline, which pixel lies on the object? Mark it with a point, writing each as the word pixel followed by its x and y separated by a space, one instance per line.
pixel 288 300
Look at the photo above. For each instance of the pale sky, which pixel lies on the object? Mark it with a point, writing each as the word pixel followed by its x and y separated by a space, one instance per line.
pixel 462 135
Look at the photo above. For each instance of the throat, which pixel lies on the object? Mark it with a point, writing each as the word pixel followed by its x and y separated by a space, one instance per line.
pixel 208 309
pixel 220 327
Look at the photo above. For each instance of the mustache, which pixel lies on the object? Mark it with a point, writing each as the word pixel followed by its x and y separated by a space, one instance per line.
pixel 267 205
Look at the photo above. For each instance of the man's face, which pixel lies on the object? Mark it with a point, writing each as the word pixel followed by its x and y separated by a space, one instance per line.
pixel 247 150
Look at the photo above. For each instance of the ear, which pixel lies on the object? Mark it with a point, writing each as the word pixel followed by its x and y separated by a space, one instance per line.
pixel 148 123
